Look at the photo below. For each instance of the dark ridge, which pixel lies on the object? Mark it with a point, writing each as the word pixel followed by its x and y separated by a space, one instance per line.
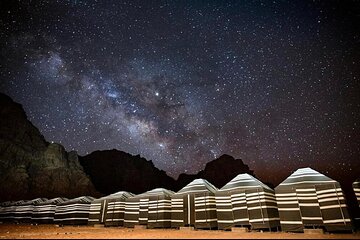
pixel 218 172
pixel 113 170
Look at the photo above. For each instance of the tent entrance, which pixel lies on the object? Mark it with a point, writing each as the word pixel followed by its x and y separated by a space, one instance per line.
pixel 103 208
pixel 333 207
pixel 239 209
pixel 189 210
pixel 255 200
pixel 110 213
pixel 311 216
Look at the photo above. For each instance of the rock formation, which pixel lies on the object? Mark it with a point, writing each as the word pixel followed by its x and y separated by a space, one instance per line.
pixel 219 171
pixel 114 170
pixel 30 167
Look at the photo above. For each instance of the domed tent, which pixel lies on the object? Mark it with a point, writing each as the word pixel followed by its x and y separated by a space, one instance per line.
pixel 43 212
pixel 245 201
pixel 309 199
pixel 152 208
pixel 7 209
pixel 356 187
pixel 74 211
pixel 194 205
pixel 4 210
pixel 23 211
pixel 109 210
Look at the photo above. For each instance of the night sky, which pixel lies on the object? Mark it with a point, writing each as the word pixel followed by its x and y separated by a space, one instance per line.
pixel 275 83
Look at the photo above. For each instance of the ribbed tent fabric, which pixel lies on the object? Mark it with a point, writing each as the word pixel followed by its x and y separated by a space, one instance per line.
pixel 247 202
pixel 109 210
pixel 7 210
pixel 194 205
pixel 152 208
pixel 116 210
pixel 43 212
pixel 74 211
pixel 23 211
pixel 309 199
pixel 356 187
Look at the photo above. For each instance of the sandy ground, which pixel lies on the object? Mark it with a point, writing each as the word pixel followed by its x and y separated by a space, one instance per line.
pixel 16 231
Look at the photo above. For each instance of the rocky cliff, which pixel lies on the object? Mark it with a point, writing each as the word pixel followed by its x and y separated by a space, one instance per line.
pixel 30 166
pixel 219 171
pixel 114 170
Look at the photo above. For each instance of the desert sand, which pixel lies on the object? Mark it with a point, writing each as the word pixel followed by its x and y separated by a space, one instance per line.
pixel 18 231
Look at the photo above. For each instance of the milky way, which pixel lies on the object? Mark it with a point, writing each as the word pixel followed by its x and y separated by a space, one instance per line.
pixel 275 83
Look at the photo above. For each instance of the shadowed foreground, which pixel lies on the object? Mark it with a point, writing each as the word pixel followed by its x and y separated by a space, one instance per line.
pixel 15 231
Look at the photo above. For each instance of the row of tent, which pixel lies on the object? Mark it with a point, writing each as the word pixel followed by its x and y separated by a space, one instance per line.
pixel 306 199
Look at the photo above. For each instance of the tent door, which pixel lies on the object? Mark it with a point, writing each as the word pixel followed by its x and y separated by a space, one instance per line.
pixel 189 210
pixel 144 211
pixel 255 207
pixel 103 211
pixel 309 207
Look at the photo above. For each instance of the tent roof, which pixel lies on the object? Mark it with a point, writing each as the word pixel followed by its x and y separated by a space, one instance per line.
pixel 305 176
pixel 56 200
pixel 35 201
pixel 243 181
pixel 82 199
pixel 16 203
pixel 121 194
pixel 198 185
pixel 156 192
pixel 7 203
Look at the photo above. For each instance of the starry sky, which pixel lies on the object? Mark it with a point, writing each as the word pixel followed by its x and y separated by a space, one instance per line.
pixel 275 83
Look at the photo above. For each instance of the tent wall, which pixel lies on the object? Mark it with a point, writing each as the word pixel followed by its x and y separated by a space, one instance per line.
pixel 239 209
pixel 262 208
pixel 132 212
pixel 309 207
pixel 183 210
pixel 224 208
pixel 152 208
pixel 7 212
pixel 109 210
pixel 356 187
pixel 177 212
pixel 73 212
pixel 333 207
pixel 115 212
pixel 97 212
pixel 144 211
pixel 289 211
pixel 205 210
pixel 43 213
pixel 23 212
pixel 159 212
pixel 255 208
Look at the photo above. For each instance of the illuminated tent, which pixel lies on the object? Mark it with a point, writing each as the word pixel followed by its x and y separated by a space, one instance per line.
pixel 44 212
pixel 356 187
pixel 74 211
pixel 309 199
pixel 152 208
pixel 246 202
pixel 24 210
pixel 109 210
pixel 194 205
pixel 7 210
